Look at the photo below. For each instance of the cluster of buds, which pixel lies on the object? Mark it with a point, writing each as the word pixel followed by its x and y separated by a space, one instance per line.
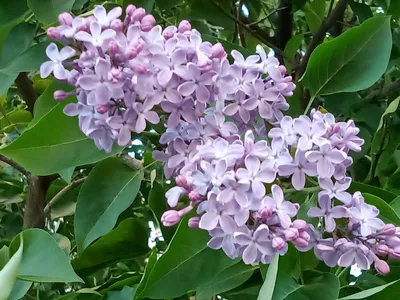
pixel 230 148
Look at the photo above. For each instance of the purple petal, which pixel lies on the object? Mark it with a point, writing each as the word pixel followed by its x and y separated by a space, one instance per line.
pixel 346 259
pixel 228 225
pixel 250 254
pixel 208 221
pixel 187 88
pixel 315 212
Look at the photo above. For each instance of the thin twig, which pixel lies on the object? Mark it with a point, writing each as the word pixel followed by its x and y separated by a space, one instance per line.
pixel 69 187
pixel 235 24
pixel 319 35
pixel 3 112
pixel 267 16
pixel 14 165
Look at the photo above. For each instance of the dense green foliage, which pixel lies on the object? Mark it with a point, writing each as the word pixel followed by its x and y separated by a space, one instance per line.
pixel 97 225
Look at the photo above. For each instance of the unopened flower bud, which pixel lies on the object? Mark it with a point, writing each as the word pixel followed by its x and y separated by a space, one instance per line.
pixel 139 69
pixel 138 14
pixel 185 210
pixel 181 181
pixel 304 235
pixel 184 26
pixel 291 234
pixel 299 242
pixel 218 51
pixel 130 53
pixel 389 229
pixel 167 34
pixel 299 224
pixel 103 108
pixel 194 222
pixel 395 253
pixel 278 243
pixel 265 213
pixel 60 95
pixel 147 23
pixel 53 33
pixel 170 218
pixel 382 249
pixel 116 25
pixel 115 75
pixel 194 196
pixel 382 267
pixel 65 19
pixel 130 9
pixel 113 48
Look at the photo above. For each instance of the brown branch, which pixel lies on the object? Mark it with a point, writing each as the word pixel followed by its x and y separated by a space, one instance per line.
pixel 69 187
pixel 28 93
pixel 239 28
pixel 284 27
pixel 319 35
pixel 14 165
pixel 393 86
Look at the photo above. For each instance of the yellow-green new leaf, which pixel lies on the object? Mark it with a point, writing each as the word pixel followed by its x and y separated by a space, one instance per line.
pixel 8 275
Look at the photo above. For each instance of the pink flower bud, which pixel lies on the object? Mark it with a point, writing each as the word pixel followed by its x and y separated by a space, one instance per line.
pixel 168 34
pixel 185 210
pixel 194 222
pixel 147 23
pixel 382 267
pixel 304 235
pixel 102 109
pixel 299 224
pixel 130 9
pixel 299 242
pixel 382 249
pixel 291 234
pixel 218 51
pixel 116 25
pixel 389 229
pixel 395 253
pixel 115 75
pixel 194 196
pixel 138 14
pixel 113 48
pixel 139 69
pixel 282 69
pixel 278 243
pixel 53 33
pixel 181 181
pixel 65 19
pixel 130 53
pixel 184 25
pixel 265 213
pixel 170 218
pixel 60 95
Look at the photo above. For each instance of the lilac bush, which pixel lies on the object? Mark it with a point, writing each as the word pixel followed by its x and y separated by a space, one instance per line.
pixel 230 147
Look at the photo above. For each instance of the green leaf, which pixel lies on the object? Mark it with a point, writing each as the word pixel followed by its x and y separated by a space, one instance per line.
pixel 159 205
pixel 43 260
pixel 328 284
pixel 174 275
pixel 128 240
pixel 114 187
pixel 225 280
pixel 29 60
pixel 394 8
pixel 8 274
pixel 206 10
pixel 363 11
pixel 17 117
pixel 392 107
pixel 370 189
pixel 147 271
pixel 228 46
pixel 6 80
pixel 315 14
pixel 395 204
pixel 340 64
pixel 291 49
pixel 11 11
pixel 124 294
pixel 382 292
pixel 18 40
pixel 47 11
pixel 146 4
pixel 19 290
pixel 53 135
pixel 4 256
pixel 267 289
pixel 78 4
pixel 66 174
pixel 386 212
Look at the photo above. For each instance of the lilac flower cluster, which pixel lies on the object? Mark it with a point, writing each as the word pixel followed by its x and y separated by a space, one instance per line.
pixel 230 148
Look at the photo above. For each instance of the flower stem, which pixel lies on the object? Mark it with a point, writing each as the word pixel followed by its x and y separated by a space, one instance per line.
pixel 309 190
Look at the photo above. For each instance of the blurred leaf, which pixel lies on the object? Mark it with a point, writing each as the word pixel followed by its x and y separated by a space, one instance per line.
pixel 147 271
pixel 339 65
pixel 124 294
pixel 118 282
pixel 166 4
pixel 63 242
pixel 19 290
pixel 4 256
pixel 395 204
pixel 173 275
pixel 53 135
pixel 291 49
pixel 228 46
pixel 17 117
pixel 8 274
pixel 386 212
pixel 394 8
pixel 298 4
pixel 392 107
pixel 6 80
pixel 158 205
pixel 114 185
pixel 363 11
pixel 66 174
pixel 128 240
pixel 47 11
pixel 43 260
pixel 382 292
pixel 342 103
pixel 225 280
pixel 10 11
pixel 315 14
pixel 18 40
pixel 267 289
pixel 78 4
pixel 206 10
pixel 146 4
pixel 373 190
